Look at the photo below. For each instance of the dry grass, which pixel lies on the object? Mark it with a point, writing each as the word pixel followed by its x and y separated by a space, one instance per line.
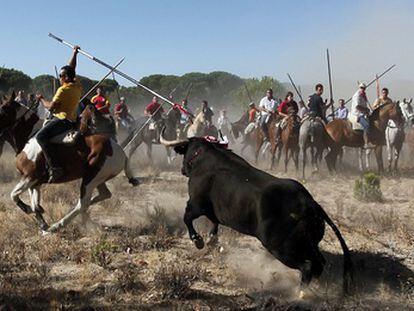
pixel 142 257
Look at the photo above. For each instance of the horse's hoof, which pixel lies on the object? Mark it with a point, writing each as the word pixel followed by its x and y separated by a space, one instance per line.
pixel 199 242
pixel 212 240
pixel 134 181
pixel 46 233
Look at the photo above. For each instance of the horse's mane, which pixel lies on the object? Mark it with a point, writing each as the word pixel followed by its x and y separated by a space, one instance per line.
pixel 375 114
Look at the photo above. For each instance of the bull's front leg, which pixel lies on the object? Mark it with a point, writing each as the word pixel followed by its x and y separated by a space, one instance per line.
pixel 193 212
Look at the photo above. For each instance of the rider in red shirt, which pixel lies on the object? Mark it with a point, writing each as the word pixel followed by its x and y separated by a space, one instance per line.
pixel 284 109
pixel 100 102
pixel 154 109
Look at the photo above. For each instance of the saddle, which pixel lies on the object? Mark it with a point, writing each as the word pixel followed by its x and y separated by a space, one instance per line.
pixel 354 123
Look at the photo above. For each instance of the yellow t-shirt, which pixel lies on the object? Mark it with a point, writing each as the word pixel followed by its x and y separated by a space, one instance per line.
pixel 67 98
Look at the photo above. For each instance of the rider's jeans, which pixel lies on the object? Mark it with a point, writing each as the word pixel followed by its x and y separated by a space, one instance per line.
pixel 50 130
pixel 364 122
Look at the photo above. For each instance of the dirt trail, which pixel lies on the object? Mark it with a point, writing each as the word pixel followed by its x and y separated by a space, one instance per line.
pixel 135 252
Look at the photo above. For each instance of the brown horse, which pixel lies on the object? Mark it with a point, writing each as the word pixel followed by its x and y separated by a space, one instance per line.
pixel 289 142
pixel 94 158
pixel 259 137
pixel 340 133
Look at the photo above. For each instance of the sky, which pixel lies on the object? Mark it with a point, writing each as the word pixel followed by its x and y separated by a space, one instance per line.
pixel 248 38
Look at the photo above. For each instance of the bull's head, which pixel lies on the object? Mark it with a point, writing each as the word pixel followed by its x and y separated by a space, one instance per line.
pixel 193 151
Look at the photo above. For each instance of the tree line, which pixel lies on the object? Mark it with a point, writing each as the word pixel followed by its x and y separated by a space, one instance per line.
pixel 221 89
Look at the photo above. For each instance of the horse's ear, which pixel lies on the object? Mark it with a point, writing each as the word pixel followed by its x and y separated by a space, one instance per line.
pixel 411 100
pixel 13 96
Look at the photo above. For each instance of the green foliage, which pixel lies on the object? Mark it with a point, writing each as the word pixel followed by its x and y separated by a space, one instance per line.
pixel 256 88
pixel 101 253
pixel 11 79
pixel 44 85
pixel 368 188
pixel 221 89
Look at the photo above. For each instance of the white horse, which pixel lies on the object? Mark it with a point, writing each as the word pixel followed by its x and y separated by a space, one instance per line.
pixel 395 135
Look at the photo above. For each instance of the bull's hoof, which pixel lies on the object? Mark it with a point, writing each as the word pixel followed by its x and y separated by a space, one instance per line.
pixel 198 242
pixel 133 181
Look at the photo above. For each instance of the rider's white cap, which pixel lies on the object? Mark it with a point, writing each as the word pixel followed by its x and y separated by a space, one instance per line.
pixel 362 85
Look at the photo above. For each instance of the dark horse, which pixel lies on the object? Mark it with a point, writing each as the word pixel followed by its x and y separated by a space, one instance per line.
pixel 143 134
pixel 341 134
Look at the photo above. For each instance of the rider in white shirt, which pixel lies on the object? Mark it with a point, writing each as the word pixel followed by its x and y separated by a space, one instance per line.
pixel 360 110
pixel 267 107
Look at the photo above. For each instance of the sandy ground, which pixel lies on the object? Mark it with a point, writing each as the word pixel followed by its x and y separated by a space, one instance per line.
pixel 135 252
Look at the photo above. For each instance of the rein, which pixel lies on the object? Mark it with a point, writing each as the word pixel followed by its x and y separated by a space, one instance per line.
pixel 195 156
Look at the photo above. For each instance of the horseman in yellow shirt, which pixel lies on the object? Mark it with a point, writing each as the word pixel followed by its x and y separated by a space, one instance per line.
pixel 63 108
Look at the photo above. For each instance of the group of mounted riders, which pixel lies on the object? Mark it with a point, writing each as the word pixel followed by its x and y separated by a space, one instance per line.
pixel 357 127
pixel 65 110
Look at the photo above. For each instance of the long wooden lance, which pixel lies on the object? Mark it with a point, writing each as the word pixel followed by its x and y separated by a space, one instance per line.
pixel 294 86
pixel 95 86
pixel 190 87
pixel 376 78
pixel 378 86
pixel 117 86
pixel 248 93
pixel 124 75
pixel 330 82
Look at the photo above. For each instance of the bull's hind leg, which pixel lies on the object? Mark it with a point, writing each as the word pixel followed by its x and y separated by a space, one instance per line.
pixel 193 212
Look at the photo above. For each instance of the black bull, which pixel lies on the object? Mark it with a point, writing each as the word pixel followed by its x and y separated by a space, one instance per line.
pixel 281 213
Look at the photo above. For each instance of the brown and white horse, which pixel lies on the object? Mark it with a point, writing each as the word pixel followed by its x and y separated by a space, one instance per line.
pixel 94 158
pixel 341 134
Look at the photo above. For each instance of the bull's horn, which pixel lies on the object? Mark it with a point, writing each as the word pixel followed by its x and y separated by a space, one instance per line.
pixel 170 143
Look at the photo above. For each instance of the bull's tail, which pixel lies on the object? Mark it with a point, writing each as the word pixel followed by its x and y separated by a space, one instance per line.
pixel 348 266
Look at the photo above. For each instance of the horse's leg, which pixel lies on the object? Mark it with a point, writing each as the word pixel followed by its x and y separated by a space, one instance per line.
pixel 287 155
pixel 103 194
pixel 149 151
pixel 37 208
pixel 273 152
pixel 361 164
pixel 23 185
pixel 87 188
pixel 389 155
pixel 128 173
pixel 296 159
pixel 380 162
pixel 258 146
pixel 303 160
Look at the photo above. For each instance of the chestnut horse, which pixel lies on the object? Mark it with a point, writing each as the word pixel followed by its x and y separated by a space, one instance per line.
pixel 289 142
pixel 340 133
pixel 94 158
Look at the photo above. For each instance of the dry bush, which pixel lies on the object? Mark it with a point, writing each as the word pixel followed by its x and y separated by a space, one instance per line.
pixel 128 277
pixel 102 252
pixel 368 188
pixel 160 240
pixel 385 221
pixel 175 279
